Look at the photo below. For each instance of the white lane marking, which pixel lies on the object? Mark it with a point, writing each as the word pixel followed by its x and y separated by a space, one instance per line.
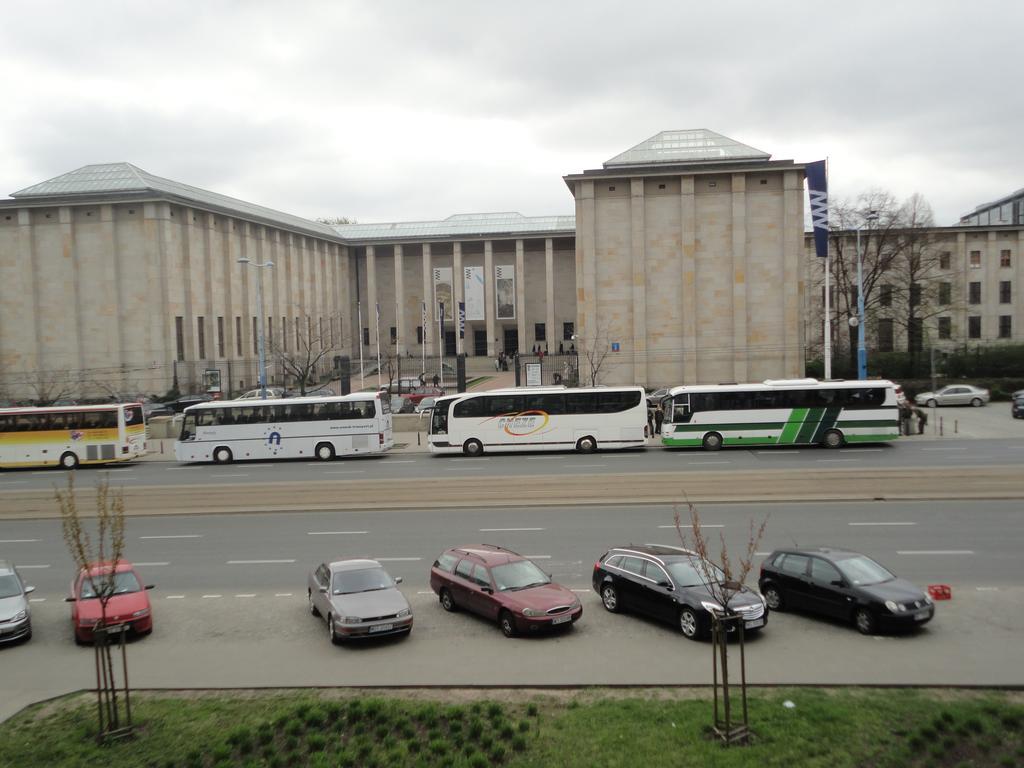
pixel 334 533
pixel 581 591
pixel 260 466
pixel 775 453
pixel 32 566
pixel 935 552
pixel 492 530
pixel 218 476
pixel 46 472
pixel 175 536
pixel 396 559
pixel 174 469
pixel 151 565
pixel 174 597
pixel 537 557
pixel 833 461
pixel 761 554
pixel 716 461
pixel 258 562
pixel 37 599
pixel 245 595
pixel 283 594
pixel 987 589
pixel 18 541
pixel 881 523
pixel 581 466
pixel 211 597
pixel 12 482
pixel 460 469
pixel 344 471
pixel 702 525
pixel 943 449
pixel 425 592
pixel 860 450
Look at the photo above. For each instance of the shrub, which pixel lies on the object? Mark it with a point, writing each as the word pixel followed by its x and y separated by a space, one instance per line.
pixel 316 742
pixel 476 728
pixel 438 746
pixel 498 753
pixel 494 710
pixel 524 726
pixel 476 760
pixel 519 743
pixel 507 731
pixel 532 710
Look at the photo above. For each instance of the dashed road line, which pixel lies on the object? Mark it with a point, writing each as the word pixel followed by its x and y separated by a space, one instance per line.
pixel 944 449
pixel 987 589
pixel 402 461
pixel 894 523
pixel 702 525
pixel 537 557
pixel 761 554
pixel 37 599
pixel 258 562
pixel 587 466
pixel 474 458
pixel 174 597
pixel 18 541
pixel 211 597
pixel 246 595
pixel 335 533
pixel 219 476
pixel 717 461
pixel 26 567
pixel 860 450
pixel 495 530
pixel 460 469
pixel 776 453
pixel 12 482
pixel 580 591
pixel 151 565
pixel 175 536
pixel 834 461
pixel 935 552
pixel 425 592
pixel 282 594
pixel 344 471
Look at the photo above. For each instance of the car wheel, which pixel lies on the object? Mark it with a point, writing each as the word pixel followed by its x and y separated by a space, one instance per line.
pixel 222 455
pixel 325 451
pixel 865 621
pixel 508 624
pixel 690 623
pixel 69 461
pixel 447 602
pixel 976 402
pixel 773 598
pixel 312 608
pixel 712 441
pixel 473 447
pixel 78 638
pixel 330 631
pixel 610 598
pixel 586 444
pixel 833 438
pixel 931 403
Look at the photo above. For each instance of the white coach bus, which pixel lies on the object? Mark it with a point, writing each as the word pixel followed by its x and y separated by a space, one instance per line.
pixel 539 419
pixel 299 427
pixel 781 412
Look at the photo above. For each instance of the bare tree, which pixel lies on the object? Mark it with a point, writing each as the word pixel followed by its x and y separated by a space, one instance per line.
pixel 302 357
pixel 724 580
pixel 594 350
pixel 50 386
pixel 97 560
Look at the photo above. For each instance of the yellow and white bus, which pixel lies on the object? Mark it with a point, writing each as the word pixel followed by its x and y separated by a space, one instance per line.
pixel 223 431
pixel 70 435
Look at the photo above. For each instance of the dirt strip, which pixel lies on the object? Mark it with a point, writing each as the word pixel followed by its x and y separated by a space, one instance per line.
pixel 545 490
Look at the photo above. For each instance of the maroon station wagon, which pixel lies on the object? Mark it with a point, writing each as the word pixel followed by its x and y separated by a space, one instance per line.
pixel 502 586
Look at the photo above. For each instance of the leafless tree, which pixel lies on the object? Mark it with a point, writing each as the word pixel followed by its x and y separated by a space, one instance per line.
pixel 593 349
pixel 302 355
pixel 97 558
pixel 50 386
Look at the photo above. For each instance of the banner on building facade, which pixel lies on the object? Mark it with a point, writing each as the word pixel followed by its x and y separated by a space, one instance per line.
pixel 817 191
pixel 505 292
pixel 443 289
pixel 473 291
pixel 462 319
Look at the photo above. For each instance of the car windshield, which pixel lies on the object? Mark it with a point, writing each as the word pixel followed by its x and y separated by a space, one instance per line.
pixel 10 586
pixel 689 573
pixel 363 580
pixel 124 582
pixel 862 571
pixel 520 574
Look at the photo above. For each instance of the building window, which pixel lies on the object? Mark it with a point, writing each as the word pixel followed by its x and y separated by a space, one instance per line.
pixel 568 329
pixel 915 294
pixel 238 336
pixel 255 336
pixel 366 337
pixel 945 293
pixel 945 328
pixel 270 333
pixel 944 259
pixel 974 293
pixel 179 337
pixel 201 333
pixel 220 337
pixel 539 332
pixel 885 295
pixel 419 334
pixel 1005 260
pixel 1005 326
pixel 974 327
pixel 975 259
pixel 284 333
pixel 885 342
pixel 394 335
pixel 1004 292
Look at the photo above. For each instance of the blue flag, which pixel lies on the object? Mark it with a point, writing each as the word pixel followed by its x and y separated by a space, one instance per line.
pixel 817 191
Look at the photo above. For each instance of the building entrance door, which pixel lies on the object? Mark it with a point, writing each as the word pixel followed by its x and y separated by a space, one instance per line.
pixel 480 343
pixel 511 341
pixel 449 343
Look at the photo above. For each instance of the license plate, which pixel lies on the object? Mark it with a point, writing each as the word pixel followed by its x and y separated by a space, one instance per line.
pixel 382 627
pixel 562 619
pixel 921 616
pixel 754 623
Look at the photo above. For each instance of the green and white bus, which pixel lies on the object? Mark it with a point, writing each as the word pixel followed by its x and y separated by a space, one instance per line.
pixel 781 412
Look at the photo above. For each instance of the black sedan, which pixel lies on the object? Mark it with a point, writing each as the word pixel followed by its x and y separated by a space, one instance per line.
pixel 670 584
pixel 1017 407
pixel 843 585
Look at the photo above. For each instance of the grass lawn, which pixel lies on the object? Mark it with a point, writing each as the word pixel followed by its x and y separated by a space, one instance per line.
pixel 664 727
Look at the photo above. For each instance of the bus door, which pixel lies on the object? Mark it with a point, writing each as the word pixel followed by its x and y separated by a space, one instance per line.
pixel 680 412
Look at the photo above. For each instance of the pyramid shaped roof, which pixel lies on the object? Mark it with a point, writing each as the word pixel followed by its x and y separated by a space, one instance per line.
pixel 697 145
pixel 121 178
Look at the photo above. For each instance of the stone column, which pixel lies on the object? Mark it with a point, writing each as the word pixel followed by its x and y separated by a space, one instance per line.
pixel 115 281
pixel 639 257
pixel 549 296
pixel 428 297
pixel 521 295
pixel 67 237
pixel 400 345
pixel 586 260
pixel 965 271
pixel 489 310
pixel 688 274
pixel 792 283
pixel 740 353
pixel 36 361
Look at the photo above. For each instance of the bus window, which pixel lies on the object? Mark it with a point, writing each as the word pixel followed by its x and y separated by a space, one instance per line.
pixel 680 410
pixel 188 427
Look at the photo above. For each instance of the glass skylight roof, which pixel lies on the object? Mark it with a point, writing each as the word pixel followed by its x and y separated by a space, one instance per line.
pixel 461 224
pixel 689 146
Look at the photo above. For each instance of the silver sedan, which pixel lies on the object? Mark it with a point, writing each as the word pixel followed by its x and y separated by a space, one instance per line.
pixel 954 394
pixel 358 599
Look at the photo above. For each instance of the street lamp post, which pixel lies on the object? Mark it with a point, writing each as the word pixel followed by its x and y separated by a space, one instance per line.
pixel 262 320
pixel 862 352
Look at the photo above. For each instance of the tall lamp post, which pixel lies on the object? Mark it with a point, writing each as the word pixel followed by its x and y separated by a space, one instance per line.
pixel 862 353
pixel 262 320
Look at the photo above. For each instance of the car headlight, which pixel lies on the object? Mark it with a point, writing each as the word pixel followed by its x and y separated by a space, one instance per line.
pixel 711 606
pixel 88 622
pixel 575 604
pixel 895 607
pixel 928 599
pixel 351 620
pixel 140 612
pixel 403 613
pixel 18 616
pixel 533 612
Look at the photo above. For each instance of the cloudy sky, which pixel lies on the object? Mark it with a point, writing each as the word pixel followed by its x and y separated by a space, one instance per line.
pixel 389 111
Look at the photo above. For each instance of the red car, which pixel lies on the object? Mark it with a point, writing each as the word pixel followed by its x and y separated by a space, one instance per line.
pixel 502 586
pixel 129 603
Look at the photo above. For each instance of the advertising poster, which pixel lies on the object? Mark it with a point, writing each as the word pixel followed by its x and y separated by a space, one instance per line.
pixel 505 292
pixel 443 290
pixel 473 290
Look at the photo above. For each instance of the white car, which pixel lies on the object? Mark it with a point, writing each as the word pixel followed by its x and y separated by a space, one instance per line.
pixel 954 394
pixel 254 394
pixel 426 405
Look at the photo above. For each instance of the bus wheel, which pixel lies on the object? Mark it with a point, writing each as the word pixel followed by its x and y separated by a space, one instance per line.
pixel 325 451
pixel 833 439
pixel 586 444
pixel 222 455
pixel 473 447
pixel 69 461
pixel 712 441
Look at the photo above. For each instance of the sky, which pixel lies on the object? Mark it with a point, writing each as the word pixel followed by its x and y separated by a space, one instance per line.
pixel 401 111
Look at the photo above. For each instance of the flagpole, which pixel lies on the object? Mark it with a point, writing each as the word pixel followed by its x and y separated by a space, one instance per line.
pixel 423 341
pixel 828 320
pixel 440 342
pixel 377 334
pixel 359 335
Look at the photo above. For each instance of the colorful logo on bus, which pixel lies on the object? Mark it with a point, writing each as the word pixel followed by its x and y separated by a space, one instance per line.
pixel 273 439
pixel 523 423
